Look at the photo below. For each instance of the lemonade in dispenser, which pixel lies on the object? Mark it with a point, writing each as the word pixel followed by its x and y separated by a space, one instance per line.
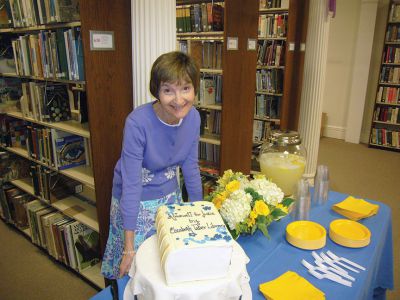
pixel 283 159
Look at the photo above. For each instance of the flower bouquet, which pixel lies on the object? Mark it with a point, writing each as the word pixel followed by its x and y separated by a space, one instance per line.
pixel 247 204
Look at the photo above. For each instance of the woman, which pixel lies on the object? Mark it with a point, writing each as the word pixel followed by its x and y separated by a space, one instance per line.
pixel 158 137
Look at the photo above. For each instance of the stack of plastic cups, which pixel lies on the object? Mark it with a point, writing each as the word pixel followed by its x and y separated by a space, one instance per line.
pixel 301 209
pixel 321 186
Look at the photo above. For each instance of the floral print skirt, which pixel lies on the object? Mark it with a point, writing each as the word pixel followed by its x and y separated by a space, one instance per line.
pixel 144 228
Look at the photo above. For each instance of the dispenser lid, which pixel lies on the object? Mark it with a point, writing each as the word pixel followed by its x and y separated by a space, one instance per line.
pixel 283 138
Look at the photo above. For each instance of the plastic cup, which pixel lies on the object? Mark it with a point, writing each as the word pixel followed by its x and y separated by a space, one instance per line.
pixel 301 210
pixel 321 186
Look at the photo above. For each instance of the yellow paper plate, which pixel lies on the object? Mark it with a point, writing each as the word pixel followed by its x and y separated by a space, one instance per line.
pixel 349 233
pixel 306 235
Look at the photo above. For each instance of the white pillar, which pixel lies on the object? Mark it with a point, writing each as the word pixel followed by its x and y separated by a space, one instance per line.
pixel 153 33
pixel 361 68
pixel 314 81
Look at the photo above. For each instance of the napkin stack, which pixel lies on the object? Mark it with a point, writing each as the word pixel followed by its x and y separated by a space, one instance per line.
pixel 290 286
pixel 355 209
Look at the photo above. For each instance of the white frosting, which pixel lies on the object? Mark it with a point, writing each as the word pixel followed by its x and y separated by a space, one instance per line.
pixel 148 280
pixel 194 242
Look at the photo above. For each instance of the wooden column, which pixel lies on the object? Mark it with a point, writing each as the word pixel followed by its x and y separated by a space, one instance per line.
pixel 109 91
pixel 239 81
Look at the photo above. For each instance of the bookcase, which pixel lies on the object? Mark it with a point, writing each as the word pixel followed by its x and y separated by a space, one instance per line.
pixel 98 85
pixel 232 80
pixel 385 127
pixel 226 100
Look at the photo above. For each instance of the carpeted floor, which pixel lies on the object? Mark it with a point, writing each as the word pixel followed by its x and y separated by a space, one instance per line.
pixel 28 273
pixel 369 173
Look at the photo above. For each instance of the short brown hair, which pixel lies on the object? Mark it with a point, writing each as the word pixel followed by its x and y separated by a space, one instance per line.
pixel 173 67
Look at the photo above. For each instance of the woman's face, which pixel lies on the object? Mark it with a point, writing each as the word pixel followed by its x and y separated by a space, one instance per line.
pixel 176 99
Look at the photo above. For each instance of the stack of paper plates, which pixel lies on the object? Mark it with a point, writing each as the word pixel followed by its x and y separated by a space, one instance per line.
pixel 306 235
pixel 349 233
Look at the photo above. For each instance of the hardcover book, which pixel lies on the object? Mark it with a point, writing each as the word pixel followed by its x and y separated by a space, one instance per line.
pixel 86 242
pixel 56 103
pixel 68 149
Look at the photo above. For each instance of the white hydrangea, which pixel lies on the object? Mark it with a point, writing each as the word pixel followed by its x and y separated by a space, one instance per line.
pixel 244 182
pixel 271 193
pixel 235 211
pixel 239 195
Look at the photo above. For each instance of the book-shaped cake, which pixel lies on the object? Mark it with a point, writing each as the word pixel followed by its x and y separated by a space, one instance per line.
pixel 194 242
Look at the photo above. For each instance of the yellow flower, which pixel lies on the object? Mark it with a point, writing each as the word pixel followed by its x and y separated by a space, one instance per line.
pixel 259 176
pixel 219 199
pixel 251 221
pixel 222 181
pixel 261 208
pixel 282 208
pixel 232 186
pixel 253 214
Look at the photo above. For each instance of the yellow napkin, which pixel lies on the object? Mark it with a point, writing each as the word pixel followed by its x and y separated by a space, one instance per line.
pixel 355 209
pixel 290 286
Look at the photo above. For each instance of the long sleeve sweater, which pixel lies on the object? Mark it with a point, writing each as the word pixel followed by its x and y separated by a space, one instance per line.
pixel 151 151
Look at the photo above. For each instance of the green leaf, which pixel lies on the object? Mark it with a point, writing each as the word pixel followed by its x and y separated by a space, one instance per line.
pixel 263 228
pixel 253 193
pixel 287 202
pixel 253 229
pixel 277 213
pixel 261 220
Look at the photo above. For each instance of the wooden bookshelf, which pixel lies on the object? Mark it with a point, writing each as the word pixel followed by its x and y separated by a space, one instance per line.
pixel 238 81
pixel 385 123
pixel 81 129
pixel 108 85
pixel 40 27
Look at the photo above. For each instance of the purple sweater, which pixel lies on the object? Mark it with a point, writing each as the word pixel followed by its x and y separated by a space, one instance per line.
pixel 151 151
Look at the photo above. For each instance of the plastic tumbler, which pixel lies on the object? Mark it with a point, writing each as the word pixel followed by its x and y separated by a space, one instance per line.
pixel 301 210
pixel 321 186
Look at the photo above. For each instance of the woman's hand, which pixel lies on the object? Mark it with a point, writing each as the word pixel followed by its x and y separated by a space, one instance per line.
pixel 128 254
pixel 126 262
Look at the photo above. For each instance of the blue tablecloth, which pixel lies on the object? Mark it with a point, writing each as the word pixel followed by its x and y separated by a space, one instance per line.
pixel 269 258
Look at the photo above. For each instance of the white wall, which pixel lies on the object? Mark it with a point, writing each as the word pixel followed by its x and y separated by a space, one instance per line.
pixel 340 65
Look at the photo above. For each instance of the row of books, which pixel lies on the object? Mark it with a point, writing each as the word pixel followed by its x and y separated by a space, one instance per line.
pixel 393 33
pixel 13 132
pixel 25 13
pixel 394 13
pixel 385 137
pixel 261 130
pixel 274 4
pixel 210 91
pixel 200 17
pixel 388 94
pixel 53 102
pixel 209 152
pixel 182 46
pixel 391 55
pixel 269 80
pixel 66 239
pixel 49 54
pixel 12 205
pixel 390 75
pixel 55 148
pixel 211 54
pixel 46 102
pixel 387 114
pixel 51 186
pixel 10 89
pixel 267 106
pixel 210 121
pixel 272 25
pixel 13 166
pixel 271 53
